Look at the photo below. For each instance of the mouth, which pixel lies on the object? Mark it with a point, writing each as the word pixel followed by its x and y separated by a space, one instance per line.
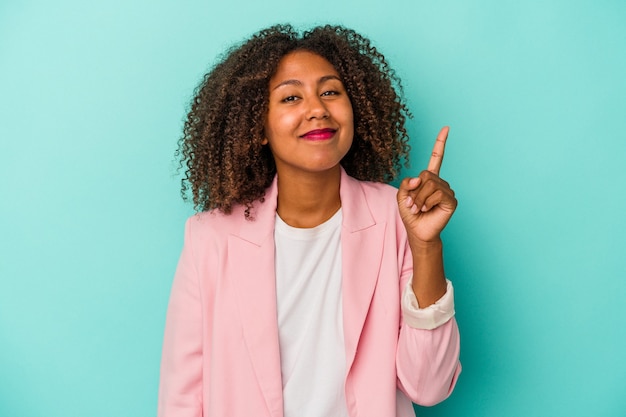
pixel 319 134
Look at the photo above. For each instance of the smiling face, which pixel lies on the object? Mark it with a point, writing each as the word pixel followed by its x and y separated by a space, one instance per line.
pixel 309 124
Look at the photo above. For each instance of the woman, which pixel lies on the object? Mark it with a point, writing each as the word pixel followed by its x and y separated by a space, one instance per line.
pixel 307 286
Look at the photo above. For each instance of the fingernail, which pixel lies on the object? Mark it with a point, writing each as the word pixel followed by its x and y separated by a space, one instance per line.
pixel 424 208
pixel 408 202
pixel 414 209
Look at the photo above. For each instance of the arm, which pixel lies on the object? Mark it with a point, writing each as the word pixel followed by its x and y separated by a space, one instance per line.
pixel 427 360
pixel 180 390
pixel 426 204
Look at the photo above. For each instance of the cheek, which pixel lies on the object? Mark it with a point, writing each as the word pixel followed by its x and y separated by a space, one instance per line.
pixel 348 113
pixel 349 119
pixel 278 123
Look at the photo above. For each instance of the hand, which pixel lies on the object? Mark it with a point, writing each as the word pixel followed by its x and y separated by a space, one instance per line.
pixel 427 202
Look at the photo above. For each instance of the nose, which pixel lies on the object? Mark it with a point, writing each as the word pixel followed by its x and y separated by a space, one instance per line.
pixel 317 109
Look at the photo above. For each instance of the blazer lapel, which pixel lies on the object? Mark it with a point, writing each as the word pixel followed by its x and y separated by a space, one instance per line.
pixel 362 247
pixel 251 261
pixel 254 275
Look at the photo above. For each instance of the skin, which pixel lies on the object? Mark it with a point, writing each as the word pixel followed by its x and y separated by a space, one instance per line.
pixel 306 95
pixel 426 204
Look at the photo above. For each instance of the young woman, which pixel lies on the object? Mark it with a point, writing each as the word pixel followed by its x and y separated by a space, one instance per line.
pixel 306 285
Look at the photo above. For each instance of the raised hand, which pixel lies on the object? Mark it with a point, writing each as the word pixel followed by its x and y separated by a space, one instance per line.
pixel 427 202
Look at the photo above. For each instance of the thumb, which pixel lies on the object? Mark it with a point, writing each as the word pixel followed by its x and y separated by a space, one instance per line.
pixel 404 195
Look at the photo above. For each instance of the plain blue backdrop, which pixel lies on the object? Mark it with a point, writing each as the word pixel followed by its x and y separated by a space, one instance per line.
pixel 92 98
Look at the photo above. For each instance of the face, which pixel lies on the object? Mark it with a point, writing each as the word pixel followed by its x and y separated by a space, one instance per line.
pixel 309 124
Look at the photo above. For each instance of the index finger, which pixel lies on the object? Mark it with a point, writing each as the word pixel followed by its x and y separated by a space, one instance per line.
pixel 436 158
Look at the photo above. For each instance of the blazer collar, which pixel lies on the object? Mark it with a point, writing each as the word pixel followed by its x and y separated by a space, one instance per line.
pixel 357 215
pixel 261 226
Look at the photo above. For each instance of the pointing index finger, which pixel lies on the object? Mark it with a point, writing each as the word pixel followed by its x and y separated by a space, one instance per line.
pixel 434 165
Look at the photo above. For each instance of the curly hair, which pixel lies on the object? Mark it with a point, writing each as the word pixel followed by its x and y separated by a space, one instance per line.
pixel 221 147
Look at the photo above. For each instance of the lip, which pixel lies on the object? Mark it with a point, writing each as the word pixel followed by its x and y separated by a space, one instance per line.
pixel 319 134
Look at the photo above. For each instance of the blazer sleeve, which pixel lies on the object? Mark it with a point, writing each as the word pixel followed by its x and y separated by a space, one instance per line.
pixel 427 361
pixel 180 390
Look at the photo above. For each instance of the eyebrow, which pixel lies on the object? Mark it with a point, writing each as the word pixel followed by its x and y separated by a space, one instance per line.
pixel 298 82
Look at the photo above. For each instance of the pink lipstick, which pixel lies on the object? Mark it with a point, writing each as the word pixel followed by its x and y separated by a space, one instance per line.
pixel 319 134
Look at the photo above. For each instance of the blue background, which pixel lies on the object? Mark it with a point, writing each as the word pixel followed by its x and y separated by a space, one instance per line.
pixel 92 98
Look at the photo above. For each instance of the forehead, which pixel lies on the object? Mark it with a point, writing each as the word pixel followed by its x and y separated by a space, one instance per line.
pixel 302 66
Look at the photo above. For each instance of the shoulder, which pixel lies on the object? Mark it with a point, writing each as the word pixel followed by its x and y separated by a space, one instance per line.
pixel 382 201
pixel 374 203
pixel 378 190
pixel 379 196
pixel 369 187
pixel 367 203
pixel 213 225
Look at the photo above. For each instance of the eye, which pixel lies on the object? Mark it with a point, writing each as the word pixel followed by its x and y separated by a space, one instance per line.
pixel 290 99
pixel 330 93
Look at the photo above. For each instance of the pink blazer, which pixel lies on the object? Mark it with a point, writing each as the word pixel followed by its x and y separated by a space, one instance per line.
pixel 221 354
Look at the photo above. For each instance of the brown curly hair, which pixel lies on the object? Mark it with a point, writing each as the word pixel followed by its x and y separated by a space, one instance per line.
pixel 221 147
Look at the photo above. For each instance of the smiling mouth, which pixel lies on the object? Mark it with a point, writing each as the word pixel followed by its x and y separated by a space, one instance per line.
pixel 319 134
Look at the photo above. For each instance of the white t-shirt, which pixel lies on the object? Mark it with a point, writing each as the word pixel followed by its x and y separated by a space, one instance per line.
pixel 310 318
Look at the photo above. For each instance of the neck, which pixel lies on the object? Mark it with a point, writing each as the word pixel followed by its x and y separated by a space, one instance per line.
pixel 308 200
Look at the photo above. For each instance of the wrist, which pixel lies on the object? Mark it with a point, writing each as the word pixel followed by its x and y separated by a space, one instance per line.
pixel 429 282
pixel 422 248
